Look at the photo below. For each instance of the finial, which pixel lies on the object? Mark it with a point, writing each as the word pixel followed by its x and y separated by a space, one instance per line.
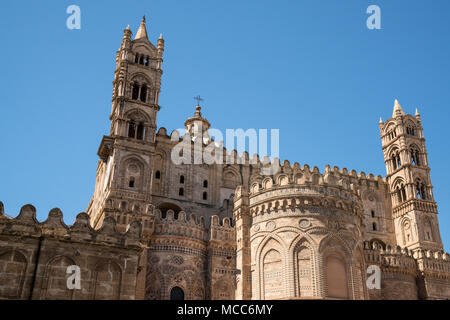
pixel 381 120
pixel 160 37
pixel 417 112
pixel 143 19
pixel 128 27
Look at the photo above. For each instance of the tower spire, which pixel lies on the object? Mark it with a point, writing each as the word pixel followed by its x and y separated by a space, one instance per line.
pixel 142 31
pixel 398 111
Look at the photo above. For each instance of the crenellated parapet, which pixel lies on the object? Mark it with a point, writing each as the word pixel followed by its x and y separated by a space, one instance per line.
pixel 409 274
pixel 390 259
pixel 194 227
pixel 333 177
pixel 398 272
pixel 296 188
pixel 26 225
pixel 434 264
pixel 180 225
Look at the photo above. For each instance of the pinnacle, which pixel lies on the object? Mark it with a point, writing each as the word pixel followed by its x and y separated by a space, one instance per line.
pixel 142 31
pixel 398 111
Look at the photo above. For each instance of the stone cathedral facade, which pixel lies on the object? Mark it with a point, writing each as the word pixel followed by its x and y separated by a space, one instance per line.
pixel 159 230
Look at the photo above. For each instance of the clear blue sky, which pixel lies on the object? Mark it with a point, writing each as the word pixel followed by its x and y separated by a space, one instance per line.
pixel 310 68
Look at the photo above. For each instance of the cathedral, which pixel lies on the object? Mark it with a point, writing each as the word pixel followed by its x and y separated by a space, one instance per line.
pixel 158 230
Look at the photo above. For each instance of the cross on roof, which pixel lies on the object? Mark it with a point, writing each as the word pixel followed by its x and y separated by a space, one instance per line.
pixel 198 98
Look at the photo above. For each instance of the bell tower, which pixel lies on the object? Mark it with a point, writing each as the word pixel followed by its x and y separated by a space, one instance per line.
pixel 408 173
pixel 124 171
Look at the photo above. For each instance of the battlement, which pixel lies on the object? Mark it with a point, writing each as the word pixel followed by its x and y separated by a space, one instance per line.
pixel 194 227
pixel 400 259
pixel 233 157
pixel 333 177
pixel 299 187
pixel 433 262
pixel 26 225
pixel 426 261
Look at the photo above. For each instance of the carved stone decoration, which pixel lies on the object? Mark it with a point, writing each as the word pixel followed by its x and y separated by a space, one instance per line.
pixel 333 224
pixel 270 225
pixel 154 260
pixel 177 260
pixel 304 223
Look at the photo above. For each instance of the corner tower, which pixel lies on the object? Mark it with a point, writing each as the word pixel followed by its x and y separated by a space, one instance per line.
pixel 123 184
pixel 413 207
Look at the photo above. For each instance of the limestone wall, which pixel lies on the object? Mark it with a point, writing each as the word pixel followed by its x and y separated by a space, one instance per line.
pixel 305 236
pixel 34 257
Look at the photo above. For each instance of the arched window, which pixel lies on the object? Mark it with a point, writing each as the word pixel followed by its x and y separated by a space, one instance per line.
pixel 182 179
pixel 140 131
pixel 136 58
pixel 396 160
pixel 401 193
pixel 181 192
pixel 131 130
pixel 141 60
pixel 420 190
pixel 136 131
pixel 415 156
pixel 158 175
pixel 392 134
pixel 372 213
pixel 131 182
pixel 374 226
pixel 205 195
pixel 135 91
pixel 143 94
pixel 205 184
pixel 411 130
pixel 176 293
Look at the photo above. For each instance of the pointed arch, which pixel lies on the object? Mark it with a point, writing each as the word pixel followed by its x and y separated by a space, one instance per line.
pixel 55 279
pixel 13 266
pixel 231 177
pixel 141 78
pixel 336 259
pixel 304 268
pixel 389 126
pixel 407 230
pixel 107 281
pixel 267 183
pixel 282 179
pixel 133 167
pixel 271 268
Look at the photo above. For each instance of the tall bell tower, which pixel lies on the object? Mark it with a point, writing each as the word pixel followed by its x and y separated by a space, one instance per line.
pixel 408 174
pixel 124 172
